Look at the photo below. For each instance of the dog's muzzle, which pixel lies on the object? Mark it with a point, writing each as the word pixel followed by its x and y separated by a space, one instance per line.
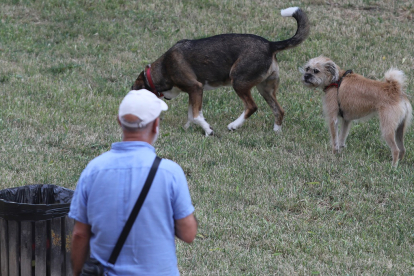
pixel 307 78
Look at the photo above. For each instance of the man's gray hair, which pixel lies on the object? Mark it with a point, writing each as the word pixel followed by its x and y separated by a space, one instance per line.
pixel 132 126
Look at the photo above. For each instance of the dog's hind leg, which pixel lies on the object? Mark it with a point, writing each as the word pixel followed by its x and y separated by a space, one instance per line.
pixel 399 137
pixel 268 89
pixel 388 130
pixel 405 123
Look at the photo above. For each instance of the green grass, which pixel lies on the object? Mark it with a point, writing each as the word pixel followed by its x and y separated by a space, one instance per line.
pixel 267 204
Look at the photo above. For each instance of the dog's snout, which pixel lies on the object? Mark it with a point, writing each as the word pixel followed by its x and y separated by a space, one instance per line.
pixel 307 76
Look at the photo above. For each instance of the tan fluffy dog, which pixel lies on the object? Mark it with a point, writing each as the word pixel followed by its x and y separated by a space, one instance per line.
pixel 349 96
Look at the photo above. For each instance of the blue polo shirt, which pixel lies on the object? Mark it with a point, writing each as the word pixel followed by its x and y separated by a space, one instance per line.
pixel 105 195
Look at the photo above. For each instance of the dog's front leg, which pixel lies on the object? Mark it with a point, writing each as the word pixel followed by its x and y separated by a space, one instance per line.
pixel 344 133
pixel 190 117
pixel 249 105
pixel 333 128
pixel 238 122
pixel 196 101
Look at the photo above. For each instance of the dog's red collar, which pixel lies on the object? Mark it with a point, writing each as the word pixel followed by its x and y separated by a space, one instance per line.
pixel 331 85
pixel 338 83
pixel 151 83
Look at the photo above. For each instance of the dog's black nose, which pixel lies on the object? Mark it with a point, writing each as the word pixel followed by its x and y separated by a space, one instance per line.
pixel 307 76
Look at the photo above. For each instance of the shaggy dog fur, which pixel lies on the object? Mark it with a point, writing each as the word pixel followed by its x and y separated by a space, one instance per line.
pixel 351 96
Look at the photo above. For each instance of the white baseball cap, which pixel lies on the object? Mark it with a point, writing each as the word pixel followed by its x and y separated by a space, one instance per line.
pixel 143 104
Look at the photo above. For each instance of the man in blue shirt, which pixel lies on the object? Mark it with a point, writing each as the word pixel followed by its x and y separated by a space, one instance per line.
pixel 109 187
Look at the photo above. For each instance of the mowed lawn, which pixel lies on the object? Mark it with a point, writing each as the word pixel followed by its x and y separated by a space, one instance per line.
pixel 267 204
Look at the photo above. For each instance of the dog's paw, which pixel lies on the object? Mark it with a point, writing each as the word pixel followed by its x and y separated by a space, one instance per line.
pixel 187 125
pixel 232 126
pixel 336 150
pixel 277 129
pixel 209 132
pixel 401 155
pixel 237 123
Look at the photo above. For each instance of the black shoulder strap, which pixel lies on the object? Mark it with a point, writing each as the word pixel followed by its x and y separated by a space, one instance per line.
pixel 134 213
pixel 343 76
pixel 340 111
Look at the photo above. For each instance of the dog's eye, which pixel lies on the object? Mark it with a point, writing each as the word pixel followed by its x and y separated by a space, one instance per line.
pixel 316 71
pixel 307 69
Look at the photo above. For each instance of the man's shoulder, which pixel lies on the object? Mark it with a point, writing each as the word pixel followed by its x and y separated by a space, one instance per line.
pixel 170 166
pixel 98 162
pixel 100 159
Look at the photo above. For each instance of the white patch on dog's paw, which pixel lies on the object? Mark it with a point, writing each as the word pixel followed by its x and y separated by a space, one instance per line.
pixel 277 129
pixel 237 123
pixel 201 122
pixel 210 132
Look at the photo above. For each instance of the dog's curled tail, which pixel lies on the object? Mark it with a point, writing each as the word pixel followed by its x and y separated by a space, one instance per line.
pixel 398 76
pixel 395 75
pixel 302 31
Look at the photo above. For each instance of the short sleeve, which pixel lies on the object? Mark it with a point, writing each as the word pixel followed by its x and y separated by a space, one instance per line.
pixel 78 206
pixel 181 201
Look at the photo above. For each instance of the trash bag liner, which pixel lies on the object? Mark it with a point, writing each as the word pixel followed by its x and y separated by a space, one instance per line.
pixel 35 202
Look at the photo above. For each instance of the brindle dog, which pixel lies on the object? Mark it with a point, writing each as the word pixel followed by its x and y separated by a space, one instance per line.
pixel 240 60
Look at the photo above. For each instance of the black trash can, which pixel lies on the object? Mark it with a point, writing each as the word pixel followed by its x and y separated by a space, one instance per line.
pixel 35 232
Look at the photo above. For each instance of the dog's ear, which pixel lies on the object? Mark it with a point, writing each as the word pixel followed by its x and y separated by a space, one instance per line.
pixel 330 67
pixel 139 82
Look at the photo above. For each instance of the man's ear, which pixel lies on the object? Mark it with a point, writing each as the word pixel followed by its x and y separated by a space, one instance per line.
pixel 155 125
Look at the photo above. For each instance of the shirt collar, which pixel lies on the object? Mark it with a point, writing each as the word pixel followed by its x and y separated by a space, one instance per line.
pixel 131 145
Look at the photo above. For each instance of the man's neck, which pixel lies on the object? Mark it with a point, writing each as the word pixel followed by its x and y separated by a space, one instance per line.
pixel 130 137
